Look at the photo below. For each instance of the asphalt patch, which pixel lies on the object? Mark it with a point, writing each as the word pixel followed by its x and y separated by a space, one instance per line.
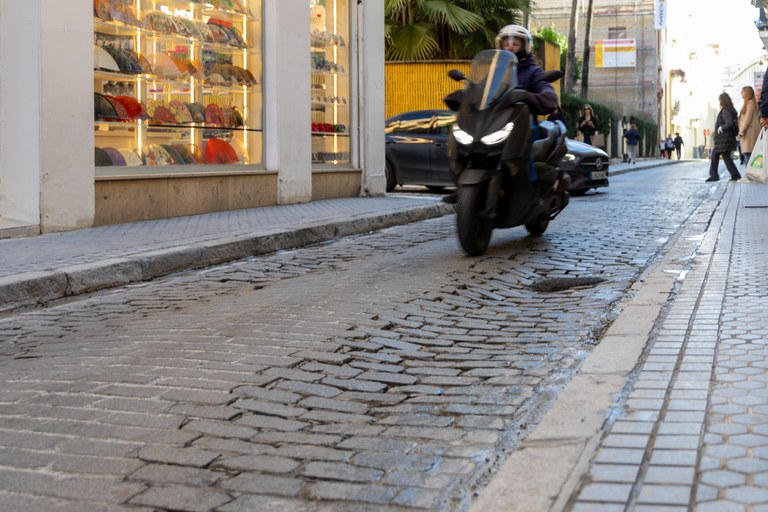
pixel 559 284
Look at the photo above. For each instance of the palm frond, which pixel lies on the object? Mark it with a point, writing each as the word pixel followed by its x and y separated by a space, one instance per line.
pixel 456 18
pixel 412 42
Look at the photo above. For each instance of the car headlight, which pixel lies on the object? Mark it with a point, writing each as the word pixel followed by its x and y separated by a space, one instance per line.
pixel 499 136
pixel 568 158
pixel 461 136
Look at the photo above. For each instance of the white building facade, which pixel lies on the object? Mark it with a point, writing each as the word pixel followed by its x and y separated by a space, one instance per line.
pixel 122 110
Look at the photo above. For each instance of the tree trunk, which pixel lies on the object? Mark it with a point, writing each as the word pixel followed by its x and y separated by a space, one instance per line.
pixel 587 51
pixel 570 59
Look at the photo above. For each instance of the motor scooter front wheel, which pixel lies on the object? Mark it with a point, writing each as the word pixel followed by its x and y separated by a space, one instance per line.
pixel 538 226
pixel 473 227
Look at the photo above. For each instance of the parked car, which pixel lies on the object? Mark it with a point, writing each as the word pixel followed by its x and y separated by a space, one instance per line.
pixel 586 165
pixel 417 154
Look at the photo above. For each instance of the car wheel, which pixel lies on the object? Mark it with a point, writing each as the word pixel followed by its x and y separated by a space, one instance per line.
pixel 474 230
pixel 435 188
pixel 389 172
pixel 539 226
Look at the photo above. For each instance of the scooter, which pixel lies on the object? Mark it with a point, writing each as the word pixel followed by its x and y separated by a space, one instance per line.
pixel 505 161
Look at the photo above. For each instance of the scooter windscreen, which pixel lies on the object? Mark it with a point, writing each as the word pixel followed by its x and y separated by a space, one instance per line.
pixel 493 73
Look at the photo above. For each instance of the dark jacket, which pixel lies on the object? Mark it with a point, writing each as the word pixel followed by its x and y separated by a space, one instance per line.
pixel 632 136
pixel 587 130
pixel 728 119
pixel 542 96
pixel 764 97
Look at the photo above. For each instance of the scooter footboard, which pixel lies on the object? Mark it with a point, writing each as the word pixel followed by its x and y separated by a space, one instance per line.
pixel 475 176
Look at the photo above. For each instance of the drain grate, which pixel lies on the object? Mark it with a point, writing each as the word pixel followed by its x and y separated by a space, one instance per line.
pixel 558 284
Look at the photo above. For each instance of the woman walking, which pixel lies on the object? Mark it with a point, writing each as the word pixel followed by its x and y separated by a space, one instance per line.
pixel 726 128
pixel 749 122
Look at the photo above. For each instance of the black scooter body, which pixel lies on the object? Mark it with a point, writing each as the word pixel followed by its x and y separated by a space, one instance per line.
pixel 509 184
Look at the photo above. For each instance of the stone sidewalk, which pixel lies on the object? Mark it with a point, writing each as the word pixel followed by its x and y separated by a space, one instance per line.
pixel 39 269
pixel 670 412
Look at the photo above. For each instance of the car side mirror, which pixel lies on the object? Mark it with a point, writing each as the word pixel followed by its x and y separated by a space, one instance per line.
pixel 457 75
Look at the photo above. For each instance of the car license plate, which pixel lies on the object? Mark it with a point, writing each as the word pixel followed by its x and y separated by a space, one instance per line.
pixel 598 175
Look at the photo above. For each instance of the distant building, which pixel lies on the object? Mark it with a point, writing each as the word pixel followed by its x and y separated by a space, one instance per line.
pixel 624 66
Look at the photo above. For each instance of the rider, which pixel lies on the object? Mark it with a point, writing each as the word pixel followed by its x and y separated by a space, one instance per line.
pixel 542 98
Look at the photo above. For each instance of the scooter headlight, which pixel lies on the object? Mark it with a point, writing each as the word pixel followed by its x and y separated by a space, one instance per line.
pixel 461 136
pixel 499 136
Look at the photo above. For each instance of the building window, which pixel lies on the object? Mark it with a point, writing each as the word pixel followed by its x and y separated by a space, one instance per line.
pixel 617 33
pixel 330 84
pixel 177 85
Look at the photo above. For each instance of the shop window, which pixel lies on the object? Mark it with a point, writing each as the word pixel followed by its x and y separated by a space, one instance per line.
pixel 330 85
pixel 177 85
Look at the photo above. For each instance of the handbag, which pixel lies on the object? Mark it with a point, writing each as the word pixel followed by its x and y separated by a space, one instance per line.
pixel 756 167
pixel 598 140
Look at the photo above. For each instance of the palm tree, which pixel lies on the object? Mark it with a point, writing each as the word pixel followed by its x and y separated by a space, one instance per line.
pixel 570 66
pixel 587 48
pixel 426 29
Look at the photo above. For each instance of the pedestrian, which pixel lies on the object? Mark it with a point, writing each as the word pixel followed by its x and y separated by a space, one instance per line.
pixel 726 129
pixel 588 124
pixel 663 149
pixel 669 145
pixel 678 142
pixel 764 102
pixel 749 122
pixel 633 139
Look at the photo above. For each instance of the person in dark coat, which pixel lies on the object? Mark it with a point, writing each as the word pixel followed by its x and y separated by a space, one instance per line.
pixel 764 102
pixel 726 129
pixel 588 124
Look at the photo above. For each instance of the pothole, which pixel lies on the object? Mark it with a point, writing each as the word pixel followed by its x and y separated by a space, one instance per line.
pixel 559 284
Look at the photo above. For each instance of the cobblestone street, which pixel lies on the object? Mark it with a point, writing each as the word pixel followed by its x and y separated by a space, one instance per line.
pixel 383 371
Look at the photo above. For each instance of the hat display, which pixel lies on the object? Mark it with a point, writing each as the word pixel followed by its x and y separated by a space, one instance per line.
pixel 219 151
pixel 103 60
pixel 239 147
pixel 122 11
pixel 133 107
pixel 157 155
pixel 102 158
pixel 180 111
pixel 101 10
pixel 115 156
pixel 214 115
pixel 132 158
pixel 183 100
pixel 166 67
pixel 186 154
pixel 197 110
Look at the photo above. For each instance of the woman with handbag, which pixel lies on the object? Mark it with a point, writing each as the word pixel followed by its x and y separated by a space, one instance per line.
pixel 588 124
pixel 726 129
pixel 749 122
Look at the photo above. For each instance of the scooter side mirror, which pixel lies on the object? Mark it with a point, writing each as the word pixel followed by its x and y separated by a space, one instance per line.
pixel 457 75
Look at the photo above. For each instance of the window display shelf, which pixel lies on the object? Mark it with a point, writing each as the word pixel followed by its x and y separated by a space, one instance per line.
pixel 330 89
pixel 172 72
pixel 113 29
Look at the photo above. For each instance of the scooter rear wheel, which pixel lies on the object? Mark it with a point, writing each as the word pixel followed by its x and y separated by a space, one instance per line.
pixel 474 230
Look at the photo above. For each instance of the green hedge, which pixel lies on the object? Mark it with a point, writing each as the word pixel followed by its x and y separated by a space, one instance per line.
pixel 571 108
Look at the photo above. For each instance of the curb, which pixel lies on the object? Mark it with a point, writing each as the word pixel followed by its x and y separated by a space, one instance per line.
pixel 31 289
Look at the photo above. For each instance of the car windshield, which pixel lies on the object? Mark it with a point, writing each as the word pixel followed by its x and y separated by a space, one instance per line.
pixel 493 73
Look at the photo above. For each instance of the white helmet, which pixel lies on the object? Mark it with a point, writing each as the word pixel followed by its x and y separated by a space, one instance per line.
pixel 515 31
